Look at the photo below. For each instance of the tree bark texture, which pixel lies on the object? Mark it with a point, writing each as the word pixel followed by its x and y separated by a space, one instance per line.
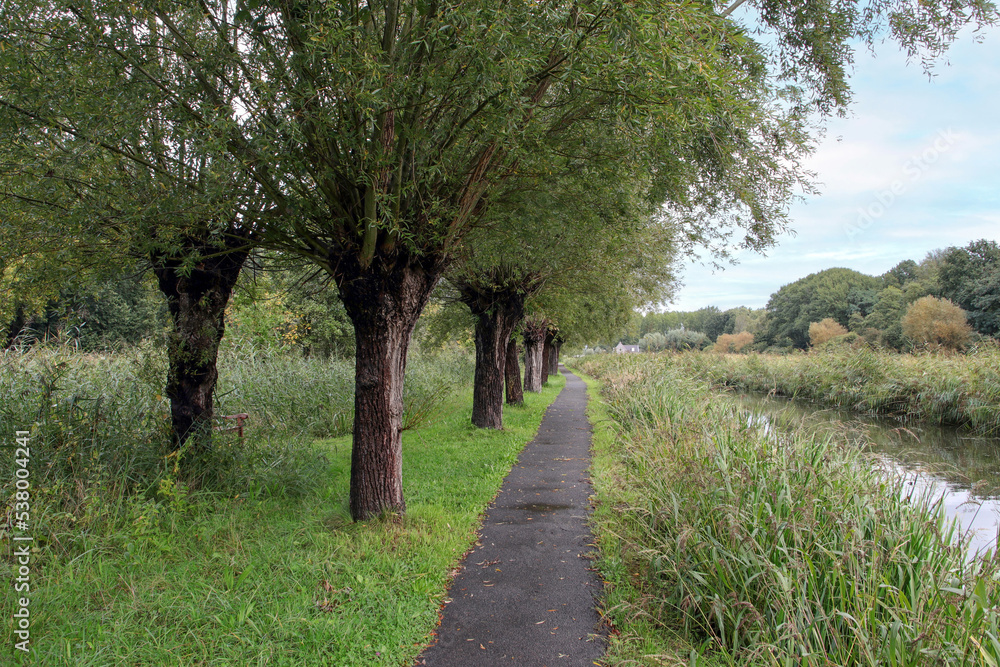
pixel 498 308
pixel 196 299
pixel 554 355
pixel 512 374
pixel 383 301
pixel 493 331
pixel 546 353
pixel 534 341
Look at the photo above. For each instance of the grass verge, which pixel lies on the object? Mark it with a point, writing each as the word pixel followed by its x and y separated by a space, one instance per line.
pixel 255 578
pixel 724 543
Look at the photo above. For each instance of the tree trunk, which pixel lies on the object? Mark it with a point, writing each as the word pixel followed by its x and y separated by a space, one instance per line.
pixel 512 374
pixel 534 341
pixel 498 308
pixel 493 331
pixel 546 353
pixel 383 301
pixel 554 355
pixel 196 299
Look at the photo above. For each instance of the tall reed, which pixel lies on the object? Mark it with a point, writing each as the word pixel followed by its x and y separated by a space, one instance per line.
pixel 767 547
pixel 961 390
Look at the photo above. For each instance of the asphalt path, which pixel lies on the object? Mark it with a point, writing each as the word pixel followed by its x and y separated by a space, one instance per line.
pixel 526 594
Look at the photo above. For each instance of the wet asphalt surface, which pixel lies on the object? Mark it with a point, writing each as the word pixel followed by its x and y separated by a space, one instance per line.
pixel 525 594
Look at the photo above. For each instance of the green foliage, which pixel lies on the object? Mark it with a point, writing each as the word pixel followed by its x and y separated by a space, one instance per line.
pixel 674 340
pixel 827 294
pixel 288 309
pixel 102 314
pixel 902 273
pixel 970 277
pixel 750 544
pixel 886 317
pixel 710 320
pixel 122 312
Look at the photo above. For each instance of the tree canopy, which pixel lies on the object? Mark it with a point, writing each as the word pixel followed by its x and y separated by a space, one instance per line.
pixel 372 139
pixel 833 293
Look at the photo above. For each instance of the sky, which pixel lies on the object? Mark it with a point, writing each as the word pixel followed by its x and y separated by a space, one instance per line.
pixel 913 168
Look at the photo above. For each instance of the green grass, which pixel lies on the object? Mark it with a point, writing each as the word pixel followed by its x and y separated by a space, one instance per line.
pixel 723 543
pixel 255 576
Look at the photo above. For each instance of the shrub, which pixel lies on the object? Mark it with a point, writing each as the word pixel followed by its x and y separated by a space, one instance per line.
pixel 653 342
pixel 733 342
pixel 675 339
pixel 850 340
pixel 936 323
pixel 824 330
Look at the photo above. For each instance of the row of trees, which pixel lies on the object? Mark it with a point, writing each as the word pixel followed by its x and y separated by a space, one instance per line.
pixel 387 144
pixel 838 301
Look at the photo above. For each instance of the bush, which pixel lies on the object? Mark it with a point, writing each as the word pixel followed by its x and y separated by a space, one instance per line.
pixel 851 340
pixel 824 330
pixel 936 324
pixel 674 340
pixel 727 343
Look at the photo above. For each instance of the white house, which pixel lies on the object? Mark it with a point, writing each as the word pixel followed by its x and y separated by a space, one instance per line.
pixel 621 348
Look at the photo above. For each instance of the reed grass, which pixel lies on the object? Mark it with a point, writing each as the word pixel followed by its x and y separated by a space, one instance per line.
pixel 727 542
pixel 959 390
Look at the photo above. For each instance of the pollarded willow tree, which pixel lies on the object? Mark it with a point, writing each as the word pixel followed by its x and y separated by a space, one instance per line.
pixel 568 235
pixel 378 133
pixel 105 168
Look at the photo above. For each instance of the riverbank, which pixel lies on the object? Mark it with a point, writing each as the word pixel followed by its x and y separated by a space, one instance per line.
pixel 724 544
pixel 960 390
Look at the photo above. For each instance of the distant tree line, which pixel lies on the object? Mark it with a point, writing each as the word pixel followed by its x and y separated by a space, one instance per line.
pixel 948 298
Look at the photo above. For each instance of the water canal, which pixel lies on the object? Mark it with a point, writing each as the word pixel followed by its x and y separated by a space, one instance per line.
pixel 960 470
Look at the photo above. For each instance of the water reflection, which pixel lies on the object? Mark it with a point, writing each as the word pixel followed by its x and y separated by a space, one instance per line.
pixel 962 470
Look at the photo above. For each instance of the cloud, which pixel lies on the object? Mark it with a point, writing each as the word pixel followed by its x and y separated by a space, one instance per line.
pixel 945 195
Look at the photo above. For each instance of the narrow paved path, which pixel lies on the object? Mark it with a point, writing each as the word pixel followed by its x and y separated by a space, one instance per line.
pixel 525 595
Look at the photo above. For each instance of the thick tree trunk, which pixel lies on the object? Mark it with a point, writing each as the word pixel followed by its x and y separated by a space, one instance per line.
pixel 512 374
pixel 554 355
pixel 196 299
pixel 498 307
pixel 546 353
pixel 534 341
pixel 487 392
pixel 383 301
pixel 493 330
